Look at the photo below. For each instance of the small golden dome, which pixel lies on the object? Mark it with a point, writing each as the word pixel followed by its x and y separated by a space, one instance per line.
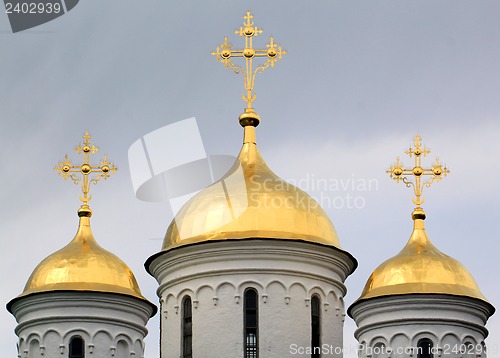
pixel 420 268
pixel 83 265
pixel 250 201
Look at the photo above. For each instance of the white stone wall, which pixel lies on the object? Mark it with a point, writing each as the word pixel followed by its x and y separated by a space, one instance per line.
pixel 112 325
pixel 285 274
pixel 399 322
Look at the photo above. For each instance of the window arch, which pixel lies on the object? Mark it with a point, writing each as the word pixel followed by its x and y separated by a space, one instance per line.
pixel 424 348
pixel 251 323
pixel 315 326
pixel 187 328
pixel 76 347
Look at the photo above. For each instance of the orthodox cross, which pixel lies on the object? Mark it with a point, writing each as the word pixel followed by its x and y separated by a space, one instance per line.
pixel 225 52
pixel 399 173
pixel 80 173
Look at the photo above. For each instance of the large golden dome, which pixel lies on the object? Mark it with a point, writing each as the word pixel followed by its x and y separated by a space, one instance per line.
pixel 250 201
pixel 82 265
pixel 420 268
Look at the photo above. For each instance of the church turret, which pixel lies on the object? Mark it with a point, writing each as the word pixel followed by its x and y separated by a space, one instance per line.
pixel 82 300
pixel 421 303
pixel 251 266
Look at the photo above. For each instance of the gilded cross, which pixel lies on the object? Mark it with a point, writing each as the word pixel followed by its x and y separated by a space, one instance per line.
pixel 81 173
pixel 399 173
pixel 225 52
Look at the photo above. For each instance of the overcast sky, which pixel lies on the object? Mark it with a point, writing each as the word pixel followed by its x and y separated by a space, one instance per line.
pixel 361 78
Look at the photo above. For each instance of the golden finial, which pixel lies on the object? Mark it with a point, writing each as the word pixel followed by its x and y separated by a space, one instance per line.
pixel 399 173
pixel 225 52
pixel 68 170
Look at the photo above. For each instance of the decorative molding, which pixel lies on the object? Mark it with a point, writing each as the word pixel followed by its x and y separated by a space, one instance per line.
pixel 268 284
pixel 329 257
pixel 314 290
pixel 307 254
pixel 423 321
pixel 440 351
pixel 444 303
pixel 37 310
pixel 88 299
pixel 189 278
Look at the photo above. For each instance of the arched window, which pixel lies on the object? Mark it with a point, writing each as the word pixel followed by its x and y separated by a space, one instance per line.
pixel 379 350
pixel 34 349
pixel 362 350
pixel 187 328
pixel 424 348
pixel 76 347
pixel 251 323
pixel 469 350
pixel 315 326
pixel 122 349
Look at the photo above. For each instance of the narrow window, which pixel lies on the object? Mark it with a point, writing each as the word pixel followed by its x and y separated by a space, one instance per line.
pixel 379 351
pixel 468 350
pixel 424 347
pixel 251 323
pixel 315 327
pixel 187 328
pixel 76 347
pixel 34 349
pixel 122 349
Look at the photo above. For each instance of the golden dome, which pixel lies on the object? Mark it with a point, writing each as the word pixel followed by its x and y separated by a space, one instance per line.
pixel 250 201
pixel 420 268
pixel 83 265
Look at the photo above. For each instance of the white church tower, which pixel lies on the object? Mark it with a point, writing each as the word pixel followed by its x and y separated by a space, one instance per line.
pixel 251 266
pixel 421 303
pixel 82 301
